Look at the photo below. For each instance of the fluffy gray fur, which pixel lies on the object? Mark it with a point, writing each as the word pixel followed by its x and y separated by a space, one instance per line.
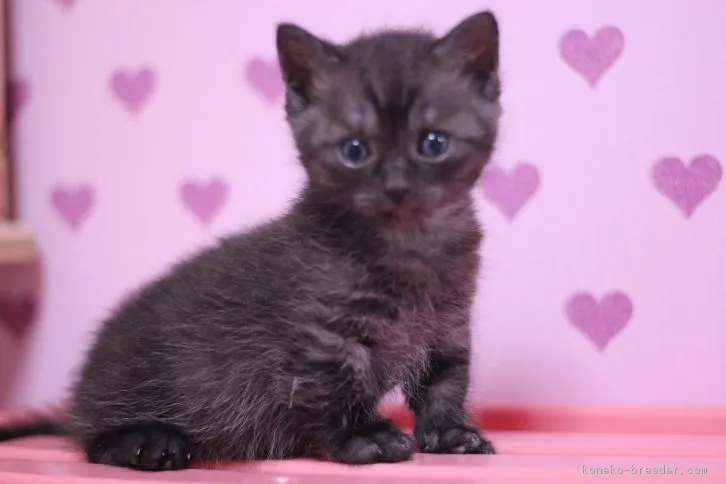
pixel 279 342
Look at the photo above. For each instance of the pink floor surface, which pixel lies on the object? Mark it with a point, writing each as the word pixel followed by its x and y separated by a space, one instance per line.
pixel 525 457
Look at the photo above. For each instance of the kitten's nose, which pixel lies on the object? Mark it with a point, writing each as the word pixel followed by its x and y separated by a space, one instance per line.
pixel 396 181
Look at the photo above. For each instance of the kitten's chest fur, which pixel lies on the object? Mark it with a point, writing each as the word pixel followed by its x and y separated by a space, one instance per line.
pixel 412 291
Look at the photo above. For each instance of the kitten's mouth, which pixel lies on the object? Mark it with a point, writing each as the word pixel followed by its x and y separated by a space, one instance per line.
pixel 391 213
pixel 399 214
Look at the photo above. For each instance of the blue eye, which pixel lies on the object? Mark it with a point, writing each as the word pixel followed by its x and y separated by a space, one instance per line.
pixel 354 152
pixel 433 145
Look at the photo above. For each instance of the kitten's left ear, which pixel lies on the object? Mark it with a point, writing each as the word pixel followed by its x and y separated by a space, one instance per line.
pixel 473 44
pixel 302 57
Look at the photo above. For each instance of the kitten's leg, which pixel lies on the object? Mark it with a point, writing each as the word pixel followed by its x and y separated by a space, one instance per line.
pixel 371 441
pixel 154 447
pixel 437 400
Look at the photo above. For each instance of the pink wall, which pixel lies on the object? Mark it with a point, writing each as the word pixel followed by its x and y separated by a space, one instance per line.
pixel 130 107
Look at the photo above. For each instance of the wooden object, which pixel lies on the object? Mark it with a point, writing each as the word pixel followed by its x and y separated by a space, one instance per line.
pixel 16 244
pixel 16 241
pixel 4 158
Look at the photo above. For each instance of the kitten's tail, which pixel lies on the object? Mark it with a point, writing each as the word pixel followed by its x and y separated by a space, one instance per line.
pixel 32 424
pixel 44 427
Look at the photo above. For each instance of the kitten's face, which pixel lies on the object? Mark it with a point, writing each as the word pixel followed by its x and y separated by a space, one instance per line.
pixel 397 124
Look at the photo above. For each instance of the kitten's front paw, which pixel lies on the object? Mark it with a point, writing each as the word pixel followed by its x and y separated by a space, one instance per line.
pixel 383 445
pixel 453 439
pixel 149 448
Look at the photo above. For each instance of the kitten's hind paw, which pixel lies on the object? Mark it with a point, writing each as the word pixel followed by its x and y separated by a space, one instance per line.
pixel 150 447
pixel 453 440
pixel 386 444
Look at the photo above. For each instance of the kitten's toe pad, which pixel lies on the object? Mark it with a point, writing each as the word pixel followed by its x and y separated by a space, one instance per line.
pixel 389 445
pixel 453 440
pixel 150 448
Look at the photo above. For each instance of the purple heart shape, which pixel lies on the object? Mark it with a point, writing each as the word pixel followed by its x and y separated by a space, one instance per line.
pixel 66 4
pixel 265 78
pixel 17 314
pixel 592 57
pixel 133 89
pixel 510 192
pixel 73 205
pixel 18 94
pixel 600 321
pixel 204 200
pixel 687 186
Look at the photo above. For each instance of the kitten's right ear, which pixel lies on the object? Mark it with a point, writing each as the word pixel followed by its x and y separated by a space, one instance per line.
pixel 302 56
pixel 473 45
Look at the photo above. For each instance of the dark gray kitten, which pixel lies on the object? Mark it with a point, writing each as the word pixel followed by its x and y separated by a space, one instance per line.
pixel 280 342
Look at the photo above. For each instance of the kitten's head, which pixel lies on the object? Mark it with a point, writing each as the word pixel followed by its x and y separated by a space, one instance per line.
pixel 398 123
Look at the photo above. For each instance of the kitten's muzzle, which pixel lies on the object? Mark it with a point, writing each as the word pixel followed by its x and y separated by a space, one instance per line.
pixel 397 186
pixel 400 212
pixel 397 193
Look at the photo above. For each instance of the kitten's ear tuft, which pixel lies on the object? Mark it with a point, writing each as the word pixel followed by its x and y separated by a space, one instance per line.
pixel 473 43
pixel 302 55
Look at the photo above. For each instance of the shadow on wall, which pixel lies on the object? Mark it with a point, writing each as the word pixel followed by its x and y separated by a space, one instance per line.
pixel 20 295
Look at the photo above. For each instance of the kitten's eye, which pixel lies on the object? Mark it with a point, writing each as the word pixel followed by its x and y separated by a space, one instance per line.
pixel 354 152
pixel 433 145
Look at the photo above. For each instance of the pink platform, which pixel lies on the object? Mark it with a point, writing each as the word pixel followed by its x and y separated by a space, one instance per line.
pixel 566 454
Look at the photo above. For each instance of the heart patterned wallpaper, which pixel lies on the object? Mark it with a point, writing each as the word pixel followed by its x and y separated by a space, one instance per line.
pixel 146 128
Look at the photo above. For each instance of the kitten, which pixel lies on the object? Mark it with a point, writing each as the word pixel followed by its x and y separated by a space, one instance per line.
pixel 279 342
